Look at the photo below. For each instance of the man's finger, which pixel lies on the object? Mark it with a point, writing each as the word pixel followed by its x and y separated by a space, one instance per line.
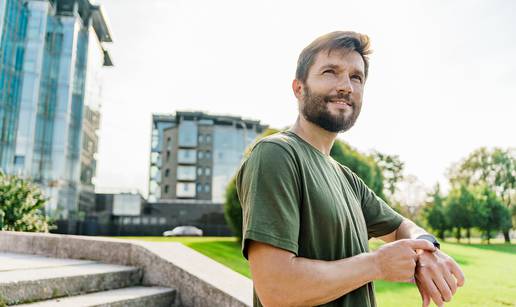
pixel 431 289
pixel 424 296
pixel 421 244
pixel 452 283
pixel 459 275
pixel 444 289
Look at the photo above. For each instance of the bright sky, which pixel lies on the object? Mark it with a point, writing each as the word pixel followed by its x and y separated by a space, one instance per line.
pixel 441 83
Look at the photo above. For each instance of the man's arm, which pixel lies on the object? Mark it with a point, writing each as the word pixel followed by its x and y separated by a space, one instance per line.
pixel 283 279
pixel 437 274
pixel 406 230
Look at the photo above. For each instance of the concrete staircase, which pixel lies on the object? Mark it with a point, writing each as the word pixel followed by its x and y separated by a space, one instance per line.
pixel 31 280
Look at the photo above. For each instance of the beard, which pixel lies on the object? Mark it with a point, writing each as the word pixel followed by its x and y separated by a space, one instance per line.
pixel 315 110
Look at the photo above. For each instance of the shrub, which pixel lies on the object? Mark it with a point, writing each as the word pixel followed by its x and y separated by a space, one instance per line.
pixel 21 206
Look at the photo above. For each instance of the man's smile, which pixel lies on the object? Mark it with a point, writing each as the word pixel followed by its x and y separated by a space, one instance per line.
pixel 340 103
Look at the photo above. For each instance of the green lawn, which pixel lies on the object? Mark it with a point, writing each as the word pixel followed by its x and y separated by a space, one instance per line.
pixel 490 271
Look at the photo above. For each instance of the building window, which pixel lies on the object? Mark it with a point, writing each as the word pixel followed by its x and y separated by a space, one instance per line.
pixel 184 189
pixel 187 134
pixel 201 139
pixel 199 171
pixel 200 155
pixel 167 171
pixel 19 161
pixel 207 171
pixel 208 155
pixel 155 142
pixel 207 187
pixel 154 220
pixel 208 139
pixel 162 221
pixel 166 188
pixel 199 188
pixel 145 220
pixel 186 172
pixel 186 156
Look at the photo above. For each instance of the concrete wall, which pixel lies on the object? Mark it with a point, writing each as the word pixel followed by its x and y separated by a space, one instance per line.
pixel 199 280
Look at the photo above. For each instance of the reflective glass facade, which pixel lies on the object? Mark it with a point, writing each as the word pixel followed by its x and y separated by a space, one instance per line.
pixel 44 67
pixel 12 48
pixel 229 144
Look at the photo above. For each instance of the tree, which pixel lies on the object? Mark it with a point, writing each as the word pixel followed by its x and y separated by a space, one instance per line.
pixel 495 168
pixel 392 171
pixel 461 210
pixel 435 213
pixel 21 206
pixel 233 210
pixel 492 215
pixel 363 165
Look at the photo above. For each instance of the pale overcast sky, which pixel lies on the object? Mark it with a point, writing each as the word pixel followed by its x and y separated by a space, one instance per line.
pixel 441 84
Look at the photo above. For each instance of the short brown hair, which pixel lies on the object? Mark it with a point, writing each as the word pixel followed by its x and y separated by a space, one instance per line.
pixel 338 40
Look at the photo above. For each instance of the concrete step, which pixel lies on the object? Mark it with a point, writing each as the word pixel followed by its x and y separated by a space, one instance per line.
pixel 127 297
pixel 26 278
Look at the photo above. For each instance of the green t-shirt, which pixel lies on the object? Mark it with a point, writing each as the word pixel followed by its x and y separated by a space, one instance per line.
pixel 296 198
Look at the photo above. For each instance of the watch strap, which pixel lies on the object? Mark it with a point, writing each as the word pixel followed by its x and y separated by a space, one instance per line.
pixel 430 238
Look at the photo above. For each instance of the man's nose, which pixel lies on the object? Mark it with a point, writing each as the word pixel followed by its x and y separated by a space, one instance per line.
pixel 344 85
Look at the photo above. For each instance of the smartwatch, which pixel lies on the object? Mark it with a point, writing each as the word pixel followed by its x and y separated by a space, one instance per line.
pixel 430 238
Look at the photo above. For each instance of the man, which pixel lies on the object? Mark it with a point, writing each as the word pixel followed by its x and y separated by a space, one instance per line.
pixel 307 219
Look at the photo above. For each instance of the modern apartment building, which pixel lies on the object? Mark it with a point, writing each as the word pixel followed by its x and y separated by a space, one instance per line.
pixel 45 48
pixel 194 155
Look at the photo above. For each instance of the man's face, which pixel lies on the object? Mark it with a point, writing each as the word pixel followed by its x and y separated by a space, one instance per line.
pixel 332 94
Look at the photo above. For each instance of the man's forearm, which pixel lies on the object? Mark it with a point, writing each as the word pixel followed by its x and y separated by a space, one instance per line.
pixel 326 281
pixel 299 281
pixel 282 279
pixel 409 230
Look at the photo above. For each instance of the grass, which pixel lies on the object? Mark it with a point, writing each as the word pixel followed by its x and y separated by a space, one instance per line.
pixel 490 271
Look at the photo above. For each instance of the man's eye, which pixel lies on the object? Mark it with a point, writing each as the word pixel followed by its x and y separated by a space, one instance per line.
pixel 356 77
pixel 329 71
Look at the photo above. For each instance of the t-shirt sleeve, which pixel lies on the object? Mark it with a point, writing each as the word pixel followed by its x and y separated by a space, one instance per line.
pixel 380 218
pixel 268 188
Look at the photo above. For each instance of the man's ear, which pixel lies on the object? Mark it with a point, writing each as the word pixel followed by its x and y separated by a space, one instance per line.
pixel 297 88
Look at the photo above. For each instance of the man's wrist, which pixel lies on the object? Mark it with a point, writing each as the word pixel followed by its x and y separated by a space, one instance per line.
pixel 377 269
pixel 431 239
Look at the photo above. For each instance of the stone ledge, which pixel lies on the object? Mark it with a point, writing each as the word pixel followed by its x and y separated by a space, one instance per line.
pixel 199 280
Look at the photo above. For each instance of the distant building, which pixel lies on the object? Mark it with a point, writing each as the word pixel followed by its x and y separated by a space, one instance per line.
pixel 90 140
pixel 44 64
pixel 194 155
pixel 128 214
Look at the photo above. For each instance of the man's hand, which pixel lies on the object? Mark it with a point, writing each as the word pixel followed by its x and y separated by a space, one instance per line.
pixel 437 277
pixel 396 261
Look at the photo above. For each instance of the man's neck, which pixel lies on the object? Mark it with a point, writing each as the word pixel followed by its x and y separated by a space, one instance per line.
pixel 316 136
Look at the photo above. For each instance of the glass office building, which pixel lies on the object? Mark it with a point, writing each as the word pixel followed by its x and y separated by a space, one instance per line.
pixel 44 58
pixel 194 155
pixel 13 26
